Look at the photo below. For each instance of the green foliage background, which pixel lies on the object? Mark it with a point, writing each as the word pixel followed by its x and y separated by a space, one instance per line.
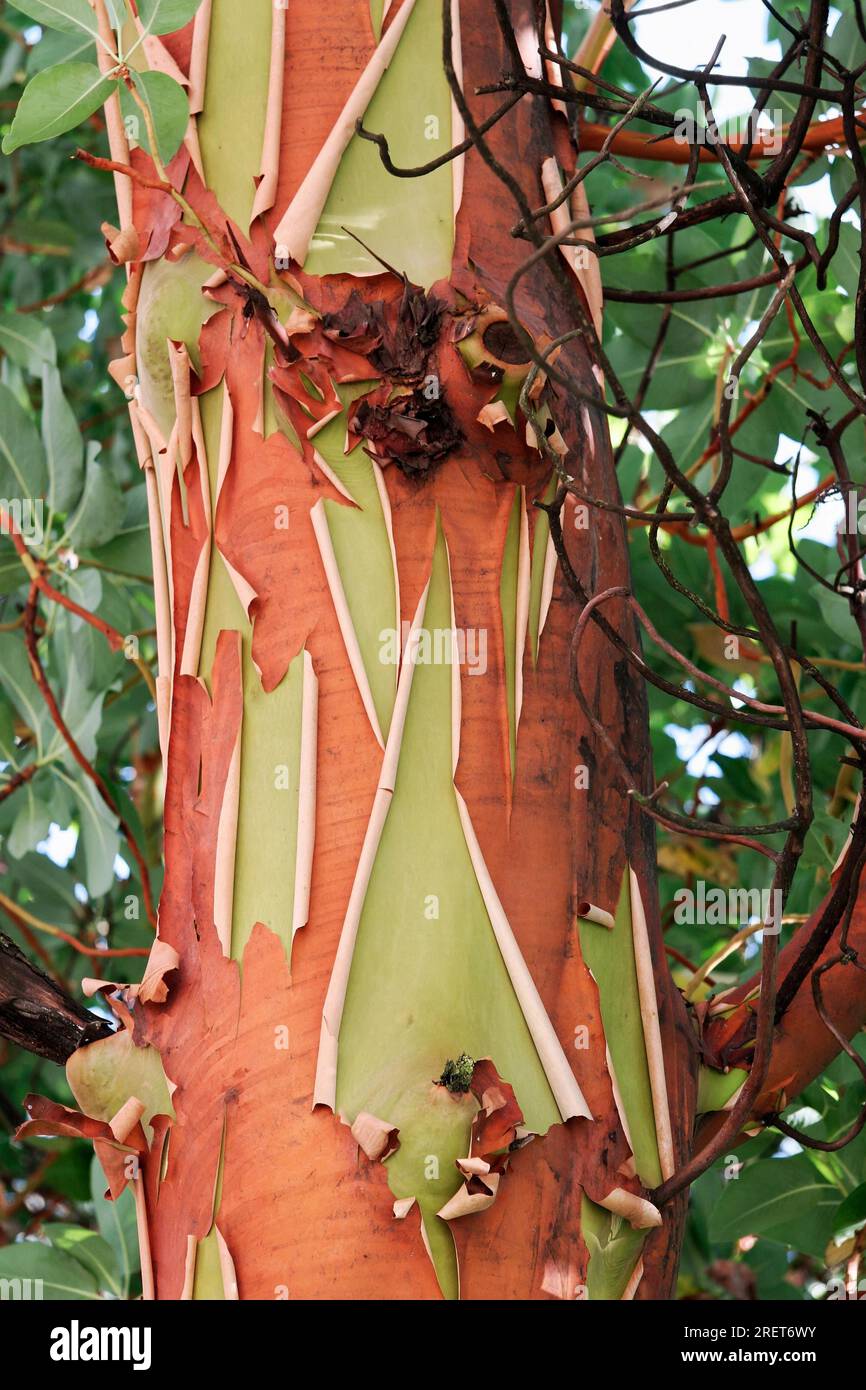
pixel 62 857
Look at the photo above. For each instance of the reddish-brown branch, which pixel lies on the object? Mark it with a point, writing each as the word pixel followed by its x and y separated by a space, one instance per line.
pixel 34 569
pixel 821 135
pixel 113 166
pixel 674 823
pixel 24 920
pixel 812 719
pixel 713 449
pixel 718 579
pixel 90 280
pixel 17 780
pixel 753 528
pixel 12 246
pixel 84 763
pixel 37 1013
pixel 848 958
pixel 684 960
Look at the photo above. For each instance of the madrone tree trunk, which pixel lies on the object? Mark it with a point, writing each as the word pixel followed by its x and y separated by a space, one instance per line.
pixel 409 995
pixel 374 863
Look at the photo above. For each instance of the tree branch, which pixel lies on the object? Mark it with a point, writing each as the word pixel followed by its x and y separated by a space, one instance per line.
pixel 36 1014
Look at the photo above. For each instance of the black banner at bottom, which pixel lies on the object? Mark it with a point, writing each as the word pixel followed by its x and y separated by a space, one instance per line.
pixel 53 1338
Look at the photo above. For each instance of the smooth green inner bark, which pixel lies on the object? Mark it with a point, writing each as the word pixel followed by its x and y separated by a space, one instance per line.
pixel 408 222
pixel 613 1251
pixel 715 1088
pixel 609 954
pixel 540 536
pixel 232 126
pixel 265 863
pixel 508 607
pixel 427 979
pixel 208 1283
pixel 363 553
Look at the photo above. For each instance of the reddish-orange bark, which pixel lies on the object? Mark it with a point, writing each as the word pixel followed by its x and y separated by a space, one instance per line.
pixel 298 1208
pixel 301 1210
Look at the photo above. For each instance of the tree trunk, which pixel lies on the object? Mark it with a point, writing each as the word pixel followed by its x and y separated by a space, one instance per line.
pixel 407 1029
pixel 385 812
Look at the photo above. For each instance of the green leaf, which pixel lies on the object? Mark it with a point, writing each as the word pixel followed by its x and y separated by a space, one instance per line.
pixel 845 266
pixel 57 100
pixel 770 1264
pixel 61 1276
pixel 841 174
pixel 17 679
pixel 85 587
pixel 46 236
pixel 64 447
pixel 8 747
pixel 30 826
pixel 69 1170
pixel 824 841
pixel 10 65
pixel 82 712
pixel 22 461
pixel 117 1224
pixel 27 341
pixel 129 551
pixel 786 102
pixel 166 16
pixel 90 1250
pixel 47 883
pixel 846 43
pixel 837 615
pixel 851 1213
pixel 70 16
pixel 100 511
pixel 55 47
pixel 785 1199
pixel 168 105
pixel 99 837
pixel 737 776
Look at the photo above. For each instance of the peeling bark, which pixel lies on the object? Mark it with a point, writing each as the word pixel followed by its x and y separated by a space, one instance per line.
pixel 375 417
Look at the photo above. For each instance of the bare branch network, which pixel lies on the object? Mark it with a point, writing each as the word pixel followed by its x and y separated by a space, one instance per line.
pixel 759 177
